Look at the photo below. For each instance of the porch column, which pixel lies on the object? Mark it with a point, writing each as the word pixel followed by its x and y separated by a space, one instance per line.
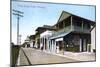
pixel 80 45
pixel 47 43
pixel 52 45
pixel 71 22
pixel 84 44
pixel 40 42
pixel 63 47
pixel 43 43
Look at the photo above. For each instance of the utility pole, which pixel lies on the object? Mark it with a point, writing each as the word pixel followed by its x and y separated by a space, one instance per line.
pixel 19 39
pixel 18 14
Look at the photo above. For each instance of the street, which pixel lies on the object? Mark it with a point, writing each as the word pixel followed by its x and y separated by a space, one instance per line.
pixel 30 56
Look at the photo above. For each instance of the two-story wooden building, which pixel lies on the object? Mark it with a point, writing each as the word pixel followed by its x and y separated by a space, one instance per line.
pixel 72 33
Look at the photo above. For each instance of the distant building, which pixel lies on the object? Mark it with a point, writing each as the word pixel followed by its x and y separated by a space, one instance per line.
pixel 32 40
pixel 40 30
pixel 26 43
pixel 29 41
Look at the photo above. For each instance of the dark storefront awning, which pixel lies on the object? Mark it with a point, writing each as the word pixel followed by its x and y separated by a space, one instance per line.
pixel 59 36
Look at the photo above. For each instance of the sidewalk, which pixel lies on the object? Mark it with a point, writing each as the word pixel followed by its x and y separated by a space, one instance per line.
pixel 22 60
pixel 81 56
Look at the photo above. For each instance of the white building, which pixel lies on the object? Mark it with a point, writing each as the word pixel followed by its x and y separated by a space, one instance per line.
pixel 93 39
pixel 45 41
pixel 27 42
pixel 31 43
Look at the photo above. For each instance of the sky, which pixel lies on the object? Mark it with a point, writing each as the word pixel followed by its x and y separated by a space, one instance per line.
pixel 39 14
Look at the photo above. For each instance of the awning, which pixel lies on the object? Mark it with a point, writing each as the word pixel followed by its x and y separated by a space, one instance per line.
pixel 59 39
pixel 59 36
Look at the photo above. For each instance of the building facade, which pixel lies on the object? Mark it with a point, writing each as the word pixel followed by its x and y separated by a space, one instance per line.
pixel 32 41
pixel 39 32
pixel 93 39
pixel 27 42
pixel 72 34
pixel 45 40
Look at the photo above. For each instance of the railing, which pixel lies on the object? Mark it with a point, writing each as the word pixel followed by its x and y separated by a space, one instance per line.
pixel 69 28
pixel 80 29
pixel 64 30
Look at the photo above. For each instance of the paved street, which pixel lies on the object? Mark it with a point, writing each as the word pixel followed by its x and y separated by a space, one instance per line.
pixel 39 57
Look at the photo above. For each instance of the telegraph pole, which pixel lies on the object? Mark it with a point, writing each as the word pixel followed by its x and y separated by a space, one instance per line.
pixel 18 14
pixel 20 39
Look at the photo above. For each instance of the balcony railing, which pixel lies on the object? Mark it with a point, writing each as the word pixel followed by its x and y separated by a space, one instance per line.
pixel 61 31
pixel 80 29
pixel 72 29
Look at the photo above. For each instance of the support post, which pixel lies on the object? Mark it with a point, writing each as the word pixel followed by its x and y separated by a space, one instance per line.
pixel 44 43
pixel 80 44
pixel 52 45
pixel 55 46
pixel 71 22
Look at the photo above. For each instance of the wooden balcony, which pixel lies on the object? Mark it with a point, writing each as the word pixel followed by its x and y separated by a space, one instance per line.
pixel 71 28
